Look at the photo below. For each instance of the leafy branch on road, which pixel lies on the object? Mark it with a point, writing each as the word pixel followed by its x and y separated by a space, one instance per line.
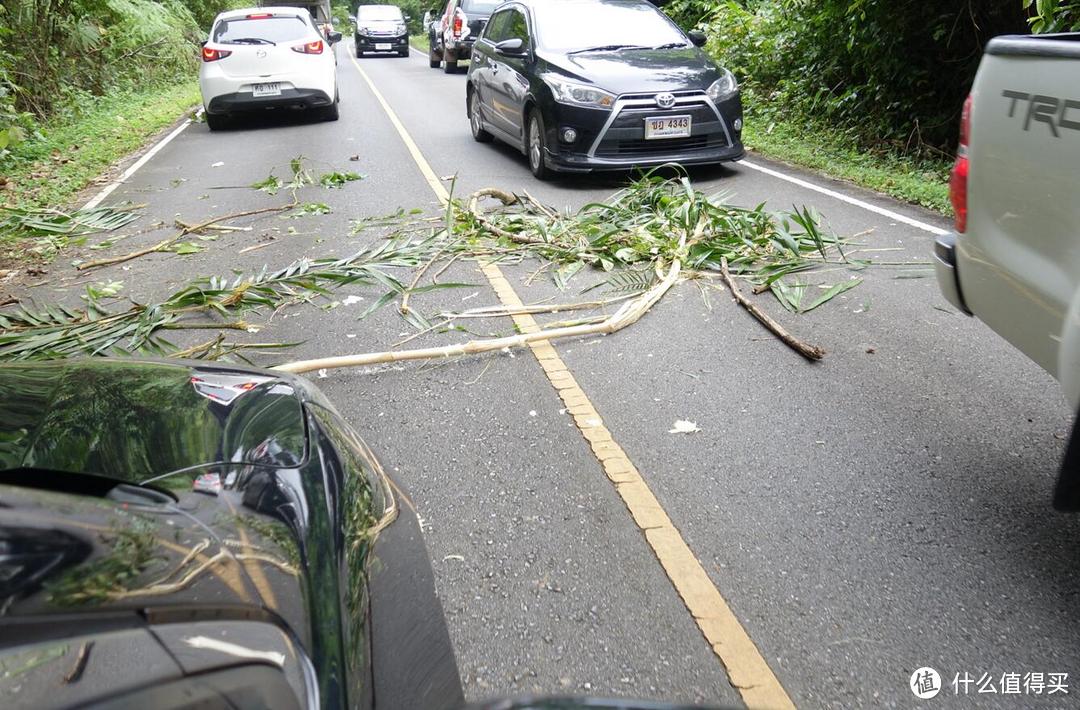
pixel 643 239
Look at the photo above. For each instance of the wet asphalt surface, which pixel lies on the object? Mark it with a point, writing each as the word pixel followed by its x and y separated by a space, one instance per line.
pixel 879 511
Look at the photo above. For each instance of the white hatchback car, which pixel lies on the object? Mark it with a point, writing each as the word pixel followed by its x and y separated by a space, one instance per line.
pixel 268 57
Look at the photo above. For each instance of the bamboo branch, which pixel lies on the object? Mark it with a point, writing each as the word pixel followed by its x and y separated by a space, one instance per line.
pixel 627 315
pixel 184 231
pixel 810 352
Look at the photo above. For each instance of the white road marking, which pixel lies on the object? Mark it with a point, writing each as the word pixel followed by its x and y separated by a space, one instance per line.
pixel 896 216
pixel 107 190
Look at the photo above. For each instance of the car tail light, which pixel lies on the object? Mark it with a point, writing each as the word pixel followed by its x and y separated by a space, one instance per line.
pixel 212 55
pixel 315 47
pixel 958 182
pixel 459 23
pixel 260 16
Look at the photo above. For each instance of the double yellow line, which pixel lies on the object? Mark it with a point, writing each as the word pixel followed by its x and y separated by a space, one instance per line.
pixel 747 670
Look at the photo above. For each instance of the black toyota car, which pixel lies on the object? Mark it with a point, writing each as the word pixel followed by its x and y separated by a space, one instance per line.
pixel 381 28
pixel 582 85
pixel 190 535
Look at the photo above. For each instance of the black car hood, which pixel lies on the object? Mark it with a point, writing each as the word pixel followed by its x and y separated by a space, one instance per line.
pixel 132 420
pixel 638 71
pixel 380 25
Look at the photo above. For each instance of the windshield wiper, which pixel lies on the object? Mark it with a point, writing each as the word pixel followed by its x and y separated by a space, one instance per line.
pixel 250 40
pixel 607 48
pixel 671 45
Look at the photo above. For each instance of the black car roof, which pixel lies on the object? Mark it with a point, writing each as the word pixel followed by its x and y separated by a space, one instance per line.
pixel 137 419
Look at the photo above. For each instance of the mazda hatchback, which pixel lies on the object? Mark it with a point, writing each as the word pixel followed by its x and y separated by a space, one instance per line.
pixel 263 58
pixel 583 85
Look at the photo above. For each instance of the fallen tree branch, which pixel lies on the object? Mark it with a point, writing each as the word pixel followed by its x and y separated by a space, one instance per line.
pixel 184 231
pixel 627 315
pixel 810 352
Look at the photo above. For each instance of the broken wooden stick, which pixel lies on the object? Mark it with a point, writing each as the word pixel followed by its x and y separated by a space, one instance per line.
pixel 628 314
pixel 184 231
pixel 810 352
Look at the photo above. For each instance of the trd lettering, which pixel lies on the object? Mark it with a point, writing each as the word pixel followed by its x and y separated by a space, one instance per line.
pixel 1054 112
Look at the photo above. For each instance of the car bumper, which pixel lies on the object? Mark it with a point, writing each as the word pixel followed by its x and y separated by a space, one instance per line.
pixel 615 139
pixel 241 101
pixel 948 277
pixel 370 44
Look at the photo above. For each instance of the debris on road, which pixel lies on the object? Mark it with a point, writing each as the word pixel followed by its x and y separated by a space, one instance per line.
pixel 682 426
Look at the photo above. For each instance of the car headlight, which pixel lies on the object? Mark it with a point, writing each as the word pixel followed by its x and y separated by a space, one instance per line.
pixel 723 88
pixel 567 92
pixel 400 29
pixel 362 31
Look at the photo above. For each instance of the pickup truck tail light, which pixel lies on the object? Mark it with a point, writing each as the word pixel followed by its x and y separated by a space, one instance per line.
pixel 459 23
pixel 958 181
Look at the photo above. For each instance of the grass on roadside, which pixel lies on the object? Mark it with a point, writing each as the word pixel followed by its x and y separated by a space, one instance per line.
pixel 50 172
pixel 420 42
pixel 920 182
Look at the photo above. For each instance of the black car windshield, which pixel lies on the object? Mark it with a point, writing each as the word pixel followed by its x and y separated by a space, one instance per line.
pixel 260 30
pixel 570 26
pixel 480 7
pixel 379 13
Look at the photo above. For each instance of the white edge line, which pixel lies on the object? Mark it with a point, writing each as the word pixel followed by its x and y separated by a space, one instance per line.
pixel 107 190
pixel 844 198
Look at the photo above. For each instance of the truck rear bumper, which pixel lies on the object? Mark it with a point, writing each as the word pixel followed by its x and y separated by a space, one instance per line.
pixel 945 268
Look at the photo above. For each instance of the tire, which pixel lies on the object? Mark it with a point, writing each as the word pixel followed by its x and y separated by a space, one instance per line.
pixel 449 65
pixel 476 122
pixel 536 146
pixel 217 121
pixel 434 57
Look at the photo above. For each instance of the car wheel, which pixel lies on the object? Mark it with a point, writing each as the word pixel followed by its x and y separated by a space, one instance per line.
pixel 217 121
pixel 449 65
pixel 476 121
pixel 536 146
pixel 434 56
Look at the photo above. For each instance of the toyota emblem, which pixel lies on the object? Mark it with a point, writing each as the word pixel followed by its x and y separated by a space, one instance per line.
pixel 665 100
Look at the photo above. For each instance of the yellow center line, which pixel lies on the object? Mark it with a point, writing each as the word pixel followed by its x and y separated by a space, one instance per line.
pixel 747 670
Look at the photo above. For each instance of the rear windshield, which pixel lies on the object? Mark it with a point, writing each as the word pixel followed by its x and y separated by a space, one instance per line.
pixel 283 28
pixel 480 7
pixel 378 12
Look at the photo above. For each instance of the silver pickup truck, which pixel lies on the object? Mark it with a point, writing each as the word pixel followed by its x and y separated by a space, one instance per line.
pixel 1014 260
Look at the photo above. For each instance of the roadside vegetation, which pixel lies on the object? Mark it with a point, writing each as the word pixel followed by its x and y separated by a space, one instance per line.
pixel 867 90
pixel 85 82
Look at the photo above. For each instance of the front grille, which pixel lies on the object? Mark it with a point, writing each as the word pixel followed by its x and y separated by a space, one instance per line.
pixel 625 136
pixel 660 146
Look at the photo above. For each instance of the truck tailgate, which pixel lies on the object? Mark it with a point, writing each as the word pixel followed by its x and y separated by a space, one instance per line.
pixel 1019 258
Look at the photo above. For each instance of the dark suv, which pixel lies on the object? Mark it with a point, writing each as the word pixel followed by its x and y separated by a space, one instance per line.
pixel 451 36
pixel 381 28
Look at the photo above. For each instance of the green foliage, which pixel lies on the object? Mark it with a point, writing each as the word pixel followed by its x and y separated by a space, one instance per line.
pixel 58 56
pixel 1053 15
pixel 890 74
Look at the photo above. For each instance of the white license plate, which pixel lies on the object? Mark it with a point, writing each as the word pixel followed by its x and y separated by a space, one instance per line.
pixel 667 127
pixel 271 89
pixel 383 46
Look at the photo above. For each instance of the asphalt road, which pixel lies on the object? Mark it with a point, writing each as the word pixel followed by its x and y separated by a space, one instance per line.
pixel 879 511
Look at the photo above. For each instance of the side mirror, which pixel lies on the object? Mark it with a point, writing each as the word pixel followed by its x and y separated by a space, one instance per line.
pixel 514 47
pixel 334 37
pixel 203 43
pixel 406 17
pixel 697 37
